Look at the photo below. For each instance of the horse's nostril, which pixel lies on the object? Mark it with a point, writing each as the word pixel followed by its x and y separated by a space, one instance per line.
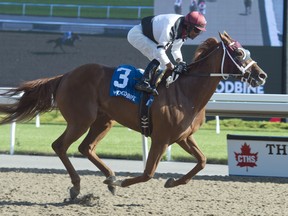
pixel 262 76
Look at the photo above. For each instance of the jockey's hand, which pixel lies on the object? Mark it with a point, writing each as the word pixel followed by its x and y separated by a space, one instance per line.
pixel 180 67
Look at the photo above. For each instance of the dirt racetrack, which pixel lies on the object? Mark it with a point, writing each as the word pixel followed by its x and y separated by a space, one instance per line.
pixel 42 192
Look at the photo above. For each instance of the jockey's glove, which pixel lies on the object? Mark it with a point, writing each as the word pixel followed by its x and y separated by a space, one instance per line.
pixel 181 67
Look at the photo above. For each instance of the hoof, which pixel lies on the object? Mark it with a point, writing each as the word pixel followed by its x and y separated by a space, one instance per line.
pixel 169 183
pixel 74 193
pixel 112 189
pixel 109 181
pixel 112 182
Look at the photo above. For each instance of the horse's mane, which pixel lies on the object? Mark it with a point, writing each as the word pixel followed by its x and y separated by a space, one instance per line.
pixel 204 48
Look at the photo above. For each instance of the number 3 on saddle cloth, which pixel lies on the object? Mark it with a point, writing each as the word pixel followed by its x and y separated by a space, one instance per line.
pixel 122 84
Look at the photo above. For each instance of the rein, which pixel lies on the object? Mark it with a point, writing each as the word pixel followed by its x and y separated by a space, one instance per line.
pixel 244 74
pixel 222 74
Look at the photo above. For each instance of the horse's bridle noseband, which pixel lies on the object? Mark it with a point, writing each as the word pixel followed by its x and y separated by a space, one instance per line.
pixel 246 56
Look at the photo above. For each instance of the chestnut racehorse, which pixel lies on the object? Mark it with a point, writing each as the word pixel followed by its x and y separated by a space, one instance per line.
pixel 82 96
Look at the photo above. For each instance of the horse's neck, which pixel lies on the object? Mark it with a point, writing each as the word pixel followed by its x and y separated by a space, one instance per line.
pixel 204 87
pixel 200 89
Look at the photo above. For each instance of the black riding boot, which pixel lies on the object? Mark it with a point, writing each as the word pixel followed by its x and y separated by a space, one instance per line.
pixel 144 82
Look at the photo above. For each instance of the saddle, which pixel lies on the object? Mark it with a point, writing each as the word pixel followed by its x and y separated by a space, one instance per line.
pixel 122 84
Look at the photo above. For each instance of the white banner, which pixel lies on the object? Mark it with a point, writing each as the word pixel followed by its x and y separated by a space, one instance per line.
pixel 257 156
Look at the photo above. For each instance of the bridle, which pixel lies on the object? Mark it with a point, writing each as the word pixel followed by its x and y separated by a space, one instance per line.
pixel 245 73
pixel 246 56
pixel 238 63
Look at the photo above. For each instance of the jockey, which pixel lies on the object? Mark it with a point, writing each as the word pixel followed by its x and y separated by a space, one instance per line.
pixel 67 36
pixel 156 34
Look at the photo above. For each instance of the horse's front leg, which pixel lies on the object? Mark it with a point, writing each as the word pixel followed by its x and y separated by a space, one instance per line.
pixel 189 145
pixel 154 157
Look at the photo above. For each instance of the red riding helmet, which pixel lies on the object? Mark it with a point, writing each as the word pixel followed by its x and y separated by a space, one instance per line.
pixel 195 19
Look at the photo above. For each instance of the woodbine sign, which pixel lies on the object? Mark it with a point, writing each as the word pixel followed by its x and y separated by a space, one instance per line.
pixel 257 155
pixel 238 87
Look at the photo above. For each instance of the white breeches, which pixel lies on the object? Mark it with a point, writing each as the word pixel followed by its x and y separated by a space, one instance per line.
pixel 146 46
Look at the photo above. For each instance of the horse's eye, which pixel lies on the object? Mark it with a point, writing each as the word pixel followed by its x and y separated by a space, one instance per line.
pixel 242 54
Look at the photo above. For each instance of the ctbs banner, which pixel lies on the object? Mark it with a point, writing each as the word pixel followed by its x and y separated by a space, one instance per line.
pixel 257 155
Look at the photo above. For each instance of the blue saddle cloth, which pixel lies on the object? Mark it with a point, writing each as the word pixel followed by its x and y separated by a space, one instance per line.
pixel 123 81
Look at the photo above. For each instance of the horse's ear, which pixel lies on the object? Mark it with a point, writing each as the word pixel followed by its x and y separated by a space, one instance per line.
pixel 227 35
pixel 223 37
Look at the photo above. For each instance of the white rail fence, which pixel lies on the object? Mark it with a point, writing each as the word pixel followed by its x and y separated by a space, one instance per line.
pixel 52 7
pixel 220 104
pixel 6 100
pixel 248 105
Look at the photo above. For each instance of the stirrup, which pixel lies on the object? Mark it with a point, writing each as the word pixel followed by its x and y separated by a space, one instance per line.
pixel 144 86
pixel 155 92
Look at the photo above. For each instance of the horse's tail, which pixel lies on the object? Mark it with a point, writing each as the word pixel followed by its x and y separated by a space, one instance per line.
pixel 35 97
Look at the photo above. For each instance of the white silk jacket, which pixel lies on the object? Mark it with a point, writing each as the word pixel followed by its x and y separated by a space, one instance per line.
pixel 162 27
pixel 163 31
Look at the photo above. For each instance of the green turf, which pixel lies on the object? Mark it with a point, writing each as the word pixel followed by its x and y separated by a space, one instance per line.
pixel 60 11
pixel 126 144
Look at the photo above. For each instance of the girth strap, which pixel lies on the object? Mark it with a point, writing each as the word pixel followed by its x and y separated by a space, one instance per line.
pixel 145 117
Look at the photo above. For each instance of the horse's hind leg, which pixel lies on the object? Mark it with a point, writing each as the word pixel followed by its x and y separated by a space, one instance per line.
pixel 61 145
pixel 98 130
